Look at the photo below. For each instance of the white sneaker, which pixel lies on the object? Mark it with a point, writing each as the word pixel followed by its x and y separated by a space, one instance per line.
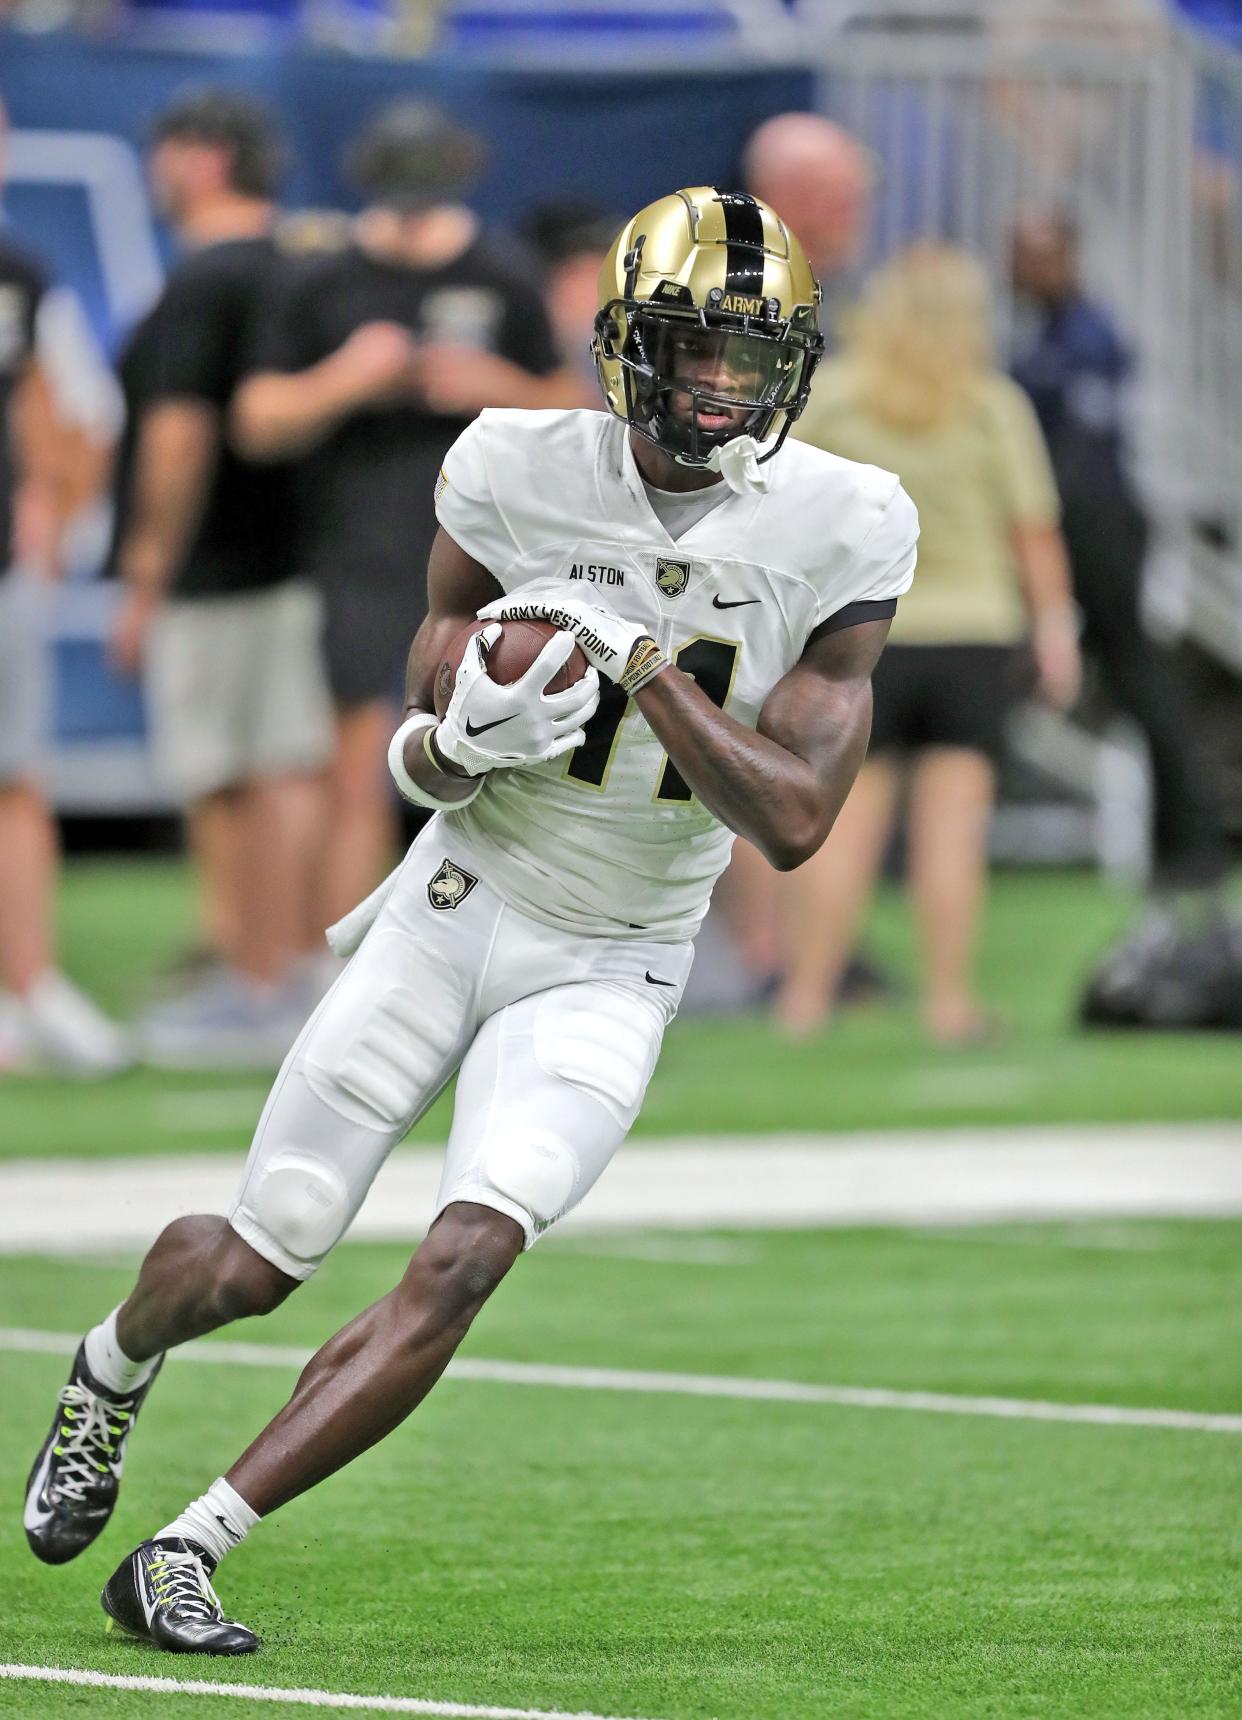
pixel 224 1024
pixel 65 1030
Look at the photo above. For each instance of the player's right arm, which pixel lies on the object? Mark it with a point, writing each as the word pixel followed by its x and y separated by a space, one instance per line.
pixel 457 588
pixel 488 725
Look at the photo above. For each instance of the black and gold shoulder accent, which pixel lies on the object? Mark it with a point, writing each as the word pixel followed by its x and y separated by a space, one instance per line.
pixel 450 886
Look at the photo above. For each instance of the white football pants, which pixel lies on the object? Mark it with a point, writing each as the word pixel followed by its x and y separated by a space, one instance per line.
pixel 554 1037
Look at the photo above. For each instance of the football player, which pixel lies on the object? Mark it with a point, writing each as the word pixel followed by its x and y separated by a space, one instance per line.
pixel 732 594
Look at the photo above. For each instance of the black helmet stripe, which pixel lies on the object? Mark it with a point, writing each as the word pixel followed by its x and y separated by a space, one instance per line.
pixel 744 259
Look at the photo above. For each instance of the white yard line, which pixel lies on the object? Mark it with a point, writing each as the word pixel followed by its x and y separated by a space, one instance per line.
pixel 1130 1237
pixel 915 1177
pixel 299 1698
pixel 691 1385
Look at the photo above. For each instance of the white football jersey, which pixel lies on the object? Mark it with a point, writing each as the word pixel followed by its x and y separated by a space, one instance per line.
pixel 610 840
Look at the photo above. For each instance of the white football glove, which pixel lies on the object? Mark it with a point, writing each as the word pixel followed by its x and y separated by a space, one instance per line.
pixel 622 650
pixel 522 723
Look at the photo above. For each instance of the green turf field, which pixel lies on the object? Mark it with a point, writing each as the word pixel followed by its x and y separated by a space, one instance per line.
pixel 674 1557
pixel 665 1556
pixel 873 1071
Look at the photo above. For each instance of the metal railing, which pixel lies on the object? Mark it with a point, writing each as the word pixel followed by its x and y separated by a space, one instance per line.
pixel 1117 113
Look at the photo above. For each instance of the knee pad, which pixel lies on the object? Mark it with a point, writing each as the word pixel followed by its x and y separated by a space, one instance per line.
pixel 534 1169
pixel 302 1203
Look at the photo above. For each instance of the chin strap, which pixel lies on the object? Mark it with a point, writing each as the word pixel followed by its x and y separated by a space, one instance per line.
pixel 737 461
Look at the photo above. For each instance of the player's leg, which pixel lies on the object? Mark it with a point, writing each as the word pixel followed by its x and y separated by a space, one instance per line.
pixel 213 829
pixel 288 737
pixel 951 798
pixel 242 724
pixel 361 831
pixel 375 1053
pixel 546 1094
pixel 823 902
pixel 368 1378
pixel 745 899
pixel 45 1013
pixel 365 626
pixel 27 874
pixel 282 832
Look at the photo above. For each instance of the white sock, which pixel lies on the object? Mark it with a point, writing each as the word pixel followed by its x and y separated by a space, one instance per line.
pixel 219 1521
pixel 109 1363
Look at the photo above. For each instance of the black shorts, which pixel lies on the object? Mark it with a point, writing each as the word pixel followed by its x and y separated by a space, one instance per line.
pixel 942 696
pixel 367 635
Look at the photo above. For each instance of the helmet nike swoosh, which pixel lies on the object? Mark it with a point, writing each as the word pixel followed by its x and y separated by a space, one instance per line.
pixel 737 603
pixel 483 727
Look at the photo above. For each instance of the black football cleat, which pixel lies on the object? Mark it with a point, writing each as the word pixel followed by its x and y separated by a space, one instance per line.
pixel 162 1593
pixel 76 1477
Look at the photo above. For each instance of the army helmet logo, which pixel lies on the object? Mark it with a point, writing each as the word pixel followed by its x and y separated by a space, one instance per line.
pixel 672 577
pixel 450 886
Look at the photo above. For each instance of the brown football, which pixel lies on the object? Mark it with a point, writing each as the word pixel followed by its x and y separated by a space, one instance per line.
pixel 508 658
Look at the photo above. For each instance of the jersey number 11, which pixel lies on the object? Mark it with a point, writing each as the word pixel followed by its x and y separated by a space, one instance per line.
pixel 712 663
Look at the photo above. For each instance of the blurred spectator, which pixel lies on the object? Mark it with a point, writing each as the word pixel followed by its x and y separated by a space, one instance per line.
pixel 373 362
pixel 917 392
pixel 1074 365
pixel 41 1012
pixel 570 239
pixel 820 181
pixel 229 641
pixel 89 404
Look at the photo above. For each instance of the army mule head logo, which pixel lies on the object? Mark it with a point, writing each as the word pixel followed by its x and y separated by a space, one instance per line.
pixel 672 577
pixel 450 886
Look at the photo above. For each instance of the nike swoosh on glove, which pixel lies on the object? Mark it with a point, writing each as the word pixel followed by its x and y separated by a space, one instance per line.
pixel 622 650
pixel 490 727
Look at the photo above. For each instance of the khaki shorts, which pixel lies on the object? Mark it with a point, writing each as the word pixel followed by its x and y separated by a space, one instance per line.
pixel 23 675
pixel 236 689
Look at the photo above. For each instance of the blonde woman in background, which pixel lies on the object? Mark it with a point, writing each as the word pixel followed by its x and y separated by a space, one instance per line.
pixel 917 391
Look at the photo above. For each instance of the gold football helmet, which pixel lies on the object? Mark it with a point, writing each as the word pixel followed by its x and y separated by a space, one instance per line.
pixel 708 326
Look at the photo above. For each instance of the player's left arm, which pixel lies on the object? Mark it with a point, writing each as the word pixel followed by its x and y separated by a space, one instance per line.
pixel 782 785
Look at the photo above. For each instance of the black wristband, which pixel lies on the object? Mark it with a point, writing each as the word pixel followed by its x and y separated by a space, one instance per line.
pixel 444 765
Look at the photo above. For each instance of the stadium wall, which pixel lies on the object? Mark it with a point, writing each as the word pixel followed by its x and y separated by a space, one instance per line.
pixel 617 138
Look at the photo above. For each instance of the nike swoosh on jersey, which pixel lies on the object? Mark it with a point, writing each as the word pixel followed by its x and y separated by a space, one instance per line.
pixel 652 980
pixel 483 727
pixel 737 603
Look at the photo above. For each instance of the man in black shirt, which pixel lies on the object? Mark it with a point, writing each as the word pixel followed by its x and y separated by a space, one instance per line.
pixel 375 358
pixel 229 641
pixel 41 1013
pixel 1076 368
